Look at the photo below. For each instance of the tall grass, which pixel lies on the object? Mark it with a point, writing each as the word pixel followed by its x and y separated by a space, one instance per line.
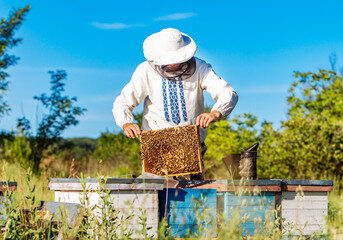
pixel 335 212
pixel 26 180
pixel 106 222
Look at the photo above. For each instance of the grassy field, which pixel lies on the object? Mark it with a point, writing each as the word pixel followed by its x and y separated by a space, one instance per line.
pixel 34 188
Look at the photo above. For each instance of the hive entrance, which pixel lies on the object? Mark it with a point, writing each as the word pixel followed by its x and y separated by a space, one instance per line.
pixel 171 151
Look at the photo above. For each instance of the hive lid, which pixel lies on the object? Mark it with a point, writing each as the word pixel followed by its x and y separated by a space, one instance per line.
pixel 261 182
pixel 109 180
pixel 294 185
pixel 307 182
pixel 269 185
pixel 264 185
pixel 168 182
pixel 4 185
pixel 256 182
pixel 74 184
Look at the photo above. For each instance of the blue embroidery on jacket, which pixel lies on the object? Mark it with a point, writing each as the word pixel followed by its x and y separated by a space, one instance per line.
pixel 183 102
pixel 174 101
pixel 165 100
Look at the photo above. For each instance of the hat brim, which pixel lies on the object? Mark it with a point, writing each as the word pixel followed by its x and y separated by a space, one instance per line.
pixel 153 53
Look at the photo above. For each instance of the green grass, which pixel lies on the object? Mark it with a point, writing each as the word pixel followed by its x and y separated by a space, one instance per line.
pixel 111 225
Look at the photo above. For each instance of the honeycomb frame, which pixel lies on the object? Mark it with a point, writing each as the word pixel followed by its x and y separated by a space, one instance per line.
pixel 172 151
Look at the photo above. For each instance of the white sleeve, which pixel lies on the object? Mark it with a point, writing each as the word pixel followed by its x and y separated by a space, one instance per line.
pixel 131 96
pixel 225 96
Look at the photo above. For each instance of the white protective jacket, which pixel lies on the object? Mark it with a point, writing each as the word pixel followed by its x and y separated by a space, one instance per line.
pixel 172 103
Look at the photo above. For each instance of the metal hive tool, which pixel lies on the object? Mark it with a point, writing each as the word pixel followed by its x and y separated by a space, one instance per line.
pixel 171 151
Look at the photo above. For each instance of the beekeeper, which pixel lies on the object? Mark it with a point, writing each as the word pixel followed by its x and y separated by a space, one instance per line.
pixel 171 83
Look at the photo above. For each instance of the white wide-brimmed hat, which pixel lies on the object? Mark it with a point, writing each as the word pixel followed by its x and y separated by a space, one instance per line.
pixel 169 46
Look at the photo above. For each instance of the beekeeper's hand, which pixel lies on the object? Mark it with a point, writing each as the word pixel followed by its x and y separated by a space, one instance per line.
pixel 131 130
pixel 204 120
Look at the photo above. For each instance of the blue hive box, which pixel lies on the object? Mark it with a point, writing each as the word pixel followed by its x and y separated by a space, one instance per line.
pixel 189 212
pixel 254 210
pixel 5 186
pixel 256 203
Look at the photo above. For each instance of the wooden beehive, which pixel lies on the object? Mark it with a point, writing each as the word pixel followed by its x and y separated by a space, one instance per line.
pixel 130 196
pixel 172 151
pixel 184 211
pixel 5 186
pixel 304 204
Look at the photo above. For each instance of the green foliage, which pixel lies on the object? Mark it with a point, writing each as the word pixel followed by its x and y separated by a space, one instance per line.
pixel 60 114
pixel 25 223
pixel 77 148
pixel 120 151
pixel 228 136
pixel 163 230
pixel 8 27
pixel 314 94
pixel 306 148
pixel 335 215
pixel 18 150
pixel 310 143
pixel 61 110
pixel 83 144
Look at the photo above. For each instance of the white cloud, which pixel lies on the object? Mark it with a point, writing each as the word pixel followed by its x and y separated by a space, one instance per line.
pixel 175 16
pixel 115 26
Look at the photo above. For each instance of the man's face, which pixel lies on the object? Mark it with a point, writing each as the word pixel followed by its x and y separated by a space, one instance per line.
pixel 172 67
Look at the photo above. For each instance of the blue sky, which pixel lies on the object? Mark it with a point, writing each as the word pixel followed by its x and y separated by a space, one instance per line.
pixel 254 45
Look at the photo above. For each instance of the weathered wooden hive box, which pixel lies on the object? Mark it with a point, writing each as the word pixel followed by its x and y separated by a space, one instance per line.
pixel 304 206
pixel 190 212
pixel 199 207
pixel 131 196
pixel 171 151
pixel 254 200
pixel 70 213
pixel 5 186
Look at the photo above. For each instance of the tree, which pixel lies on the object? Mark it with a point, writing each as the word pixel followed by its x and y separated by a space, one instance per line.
pixel 310 143
pixel 8 27
pixel 314 94
pixel 60 114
